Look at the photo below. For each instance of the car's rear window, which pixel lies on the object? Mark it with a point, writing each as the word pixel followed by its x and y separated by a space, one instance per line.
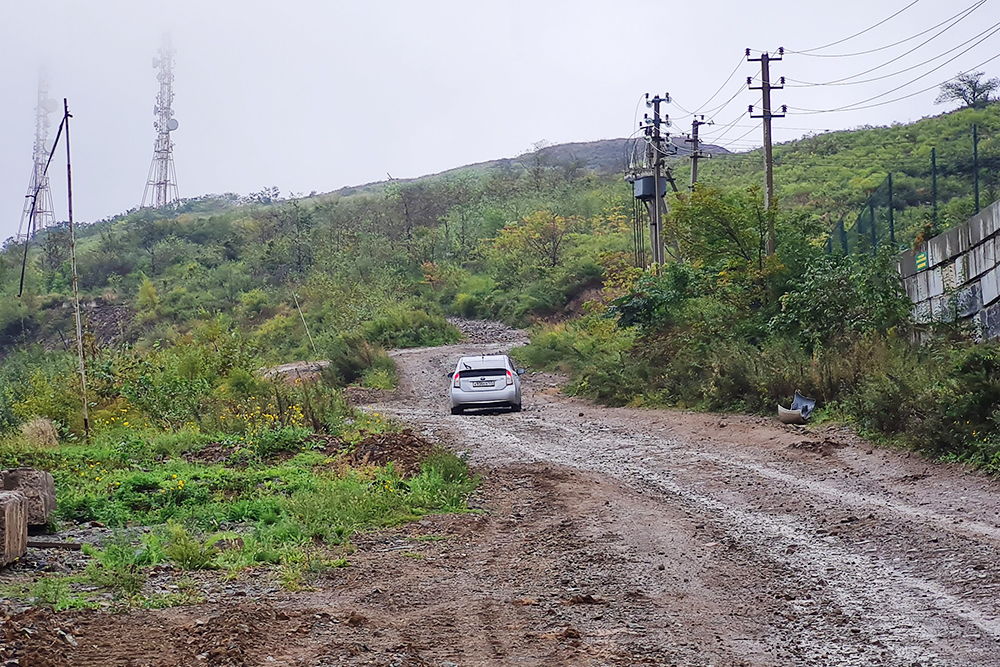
pixel 483 372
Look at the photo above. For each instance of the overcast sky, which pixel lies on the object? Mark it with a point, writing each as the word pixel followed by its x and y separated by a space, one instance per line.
pixel 316 95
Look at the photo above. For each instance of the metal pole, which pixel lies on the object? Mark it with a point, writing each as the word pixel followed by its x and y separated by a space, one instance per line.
pixel 934 219
pixel 975 165
pixel 892 225
pixel 76 290
pixel 874 232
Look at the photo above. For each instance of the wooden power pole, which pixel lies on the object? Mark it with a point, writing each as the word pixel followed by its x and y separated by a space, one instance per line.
pixel 765 87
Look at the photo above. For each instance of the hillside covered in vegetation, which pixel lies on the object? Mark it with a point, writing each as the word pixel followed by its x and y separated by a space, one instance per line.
pixel 184 305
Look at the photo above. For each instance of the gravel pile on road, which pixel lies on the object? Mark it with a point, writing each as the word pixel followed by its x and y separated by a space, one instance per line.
pixel 484 332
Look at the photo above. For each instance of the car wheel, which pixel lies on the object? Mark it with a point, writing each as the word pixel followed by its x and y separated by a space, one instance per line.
pixel 515 407
pixel 457 410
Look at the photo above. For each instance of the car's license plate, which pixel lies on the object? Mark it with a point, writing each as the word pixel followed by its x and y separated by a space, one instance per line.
pixel 482 383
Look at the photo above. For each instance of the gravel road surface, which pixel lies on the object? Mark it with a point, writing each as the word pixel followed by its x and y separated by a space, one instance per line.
pixel 747 541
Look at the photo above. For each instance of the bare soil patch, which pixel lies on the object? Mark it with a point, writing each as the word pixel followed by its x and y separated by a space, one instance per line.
pixel 405 450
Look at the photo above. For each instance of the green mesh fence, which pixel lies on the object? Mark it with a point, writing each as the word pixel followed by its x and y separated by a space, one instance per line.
pixel 866 230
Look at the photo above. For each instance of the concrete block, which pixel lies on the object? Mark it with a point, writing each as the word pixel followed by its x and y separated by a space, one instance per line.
pixel 945 247
pixel 990 283
pixel 991 218
pixel 991 322
pixel 969 300
pixel 38 488
pixel 976 266
pixel 964 239
pixel 941 309
pixel 948 277
pixel 922 312
pixel 976 230
pixel 961 277
pixel 937 250
pixel 921 292
pixel 935 282
pixel 910 285
pixel 13 526
pixel 906 263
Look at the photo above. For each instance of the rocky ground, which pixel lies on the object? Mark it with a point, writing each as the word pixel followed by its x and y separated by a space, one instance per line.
pixel 612 537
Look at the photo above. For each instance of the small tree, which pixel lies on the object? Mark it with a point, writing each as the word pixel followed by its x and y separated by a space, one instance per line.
pixel 970 89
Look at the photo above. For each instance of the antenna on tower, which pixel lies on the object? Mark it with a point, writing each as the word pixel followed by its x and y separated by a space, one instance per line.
pixel 161 184
pixel 38 211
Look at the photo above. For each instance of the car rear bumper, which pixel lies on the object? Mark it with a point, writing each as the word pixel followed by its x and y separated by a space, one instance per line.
pixel 505 396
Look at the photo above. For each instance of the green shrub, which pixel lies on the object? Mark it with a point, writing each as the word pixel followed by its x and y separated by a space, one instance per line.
pixel 403 327
pixel 381 374
pixel 186 552
pixel 121 566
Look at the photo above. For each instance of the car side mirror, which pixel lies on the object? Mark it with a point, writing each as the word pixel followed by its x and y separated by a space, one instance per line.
pixel 520 371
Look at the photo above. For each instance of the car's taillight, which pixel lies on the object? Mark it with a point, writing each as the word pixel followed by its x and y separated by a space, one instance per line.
pixel 510 378
pixel 458 382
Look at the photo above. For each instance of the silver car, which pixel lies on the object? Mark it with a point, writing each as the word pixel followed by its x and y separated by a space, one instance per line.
pixel 484 382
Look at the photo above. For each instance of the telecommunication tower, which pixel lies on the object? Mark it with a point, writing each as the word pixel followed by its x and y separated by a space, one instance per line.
pixel 38 212
pixel 161 185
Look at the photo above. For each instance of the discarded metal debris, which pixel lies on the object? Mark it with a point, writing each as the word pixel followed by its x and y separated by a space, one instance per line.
pixel 801 408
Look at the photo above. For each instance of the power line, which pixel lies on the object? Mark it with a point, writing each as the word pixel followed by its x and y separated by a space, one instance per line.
pixel 785 127
pixel 855 106
pixel 722 131
pixel 857 34
pixel 969 9
pixel 844 81
pixel 715 110
pixel 728 79
pixel 725 145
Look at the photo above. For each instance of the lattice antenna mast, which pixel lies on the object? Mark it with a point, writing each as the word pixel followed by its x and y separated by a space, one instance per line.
pixel 38 211
pixel 161 184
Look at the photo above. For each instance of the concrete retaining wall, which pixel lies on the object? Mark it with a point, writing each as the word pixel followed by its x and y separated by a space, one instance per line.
pixel 962 278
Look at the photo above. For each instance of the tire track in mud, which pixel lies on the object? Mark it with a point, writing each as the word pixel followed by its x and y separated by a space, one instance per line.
pixel 900 585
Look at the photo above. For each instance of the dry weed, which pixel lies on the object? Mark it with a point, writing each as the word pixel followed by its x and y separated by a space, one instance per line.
pixel 41 432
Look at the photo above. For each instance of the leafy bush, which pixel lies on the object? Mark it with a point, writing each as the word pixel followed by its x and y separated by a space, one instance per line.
pixel 839 296
pixel 350 355
pixel 401 327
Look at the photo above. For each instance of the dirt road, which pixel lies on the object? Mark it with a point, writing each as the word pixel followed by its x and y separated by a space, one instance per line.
pixel 736 540
pixel 613 537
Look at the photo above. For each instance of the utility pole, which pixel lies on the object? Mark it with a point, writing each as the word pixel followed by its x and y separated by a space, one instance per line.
pixel 76 290
pixel 696 154
pixel 975 165
pixel 765 87
pixel 656 145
